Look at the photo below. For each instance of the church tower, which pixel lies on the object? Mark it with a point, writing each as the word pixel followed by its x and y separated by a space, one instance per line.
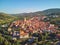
pixel 25 19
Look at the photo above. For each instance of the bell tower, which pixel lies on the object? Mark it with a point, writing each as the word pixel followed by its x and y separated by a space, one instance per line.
pixel 25 19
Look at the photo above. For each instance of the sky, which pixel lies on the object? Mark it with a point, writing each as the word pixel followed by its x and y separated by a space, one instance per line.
pixel 26 6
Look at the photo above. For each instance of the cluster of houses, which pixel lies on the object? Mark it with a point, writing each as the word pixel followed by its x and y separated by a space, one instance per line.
pixel 22 28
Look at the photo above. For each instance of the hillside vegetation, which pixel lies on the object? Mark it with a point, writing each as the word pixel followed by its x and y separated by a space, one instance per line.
pixel 5 18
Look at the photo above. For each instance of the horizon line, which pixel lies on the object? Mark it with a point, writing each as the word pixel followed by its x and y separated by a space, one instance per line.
pixel 29 12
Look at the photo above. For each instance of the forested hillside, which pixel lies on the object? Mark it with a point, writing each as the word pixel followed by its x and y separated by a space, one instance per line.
pixel 5 18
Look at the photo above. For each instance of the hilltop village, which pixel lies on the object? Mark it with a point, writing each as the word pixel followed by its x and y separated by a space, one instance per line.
pixel 24 28
pixel 34 30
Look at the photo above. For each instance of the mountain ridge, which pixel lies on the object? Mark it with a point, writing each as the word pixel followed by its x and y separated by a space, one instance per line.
pixel 51 11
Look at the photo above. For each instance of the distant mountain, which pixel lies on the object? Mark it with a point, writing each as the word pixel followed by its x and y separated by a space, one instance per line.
pixel 54 11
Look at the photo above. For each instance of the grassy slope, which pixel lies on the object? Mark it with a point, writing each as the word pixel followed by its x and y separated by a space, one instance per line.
pixel 5 18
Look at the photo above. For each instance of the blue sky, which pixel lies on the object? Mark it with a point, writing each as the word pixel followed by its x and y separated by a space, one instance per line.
pixel 21 6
